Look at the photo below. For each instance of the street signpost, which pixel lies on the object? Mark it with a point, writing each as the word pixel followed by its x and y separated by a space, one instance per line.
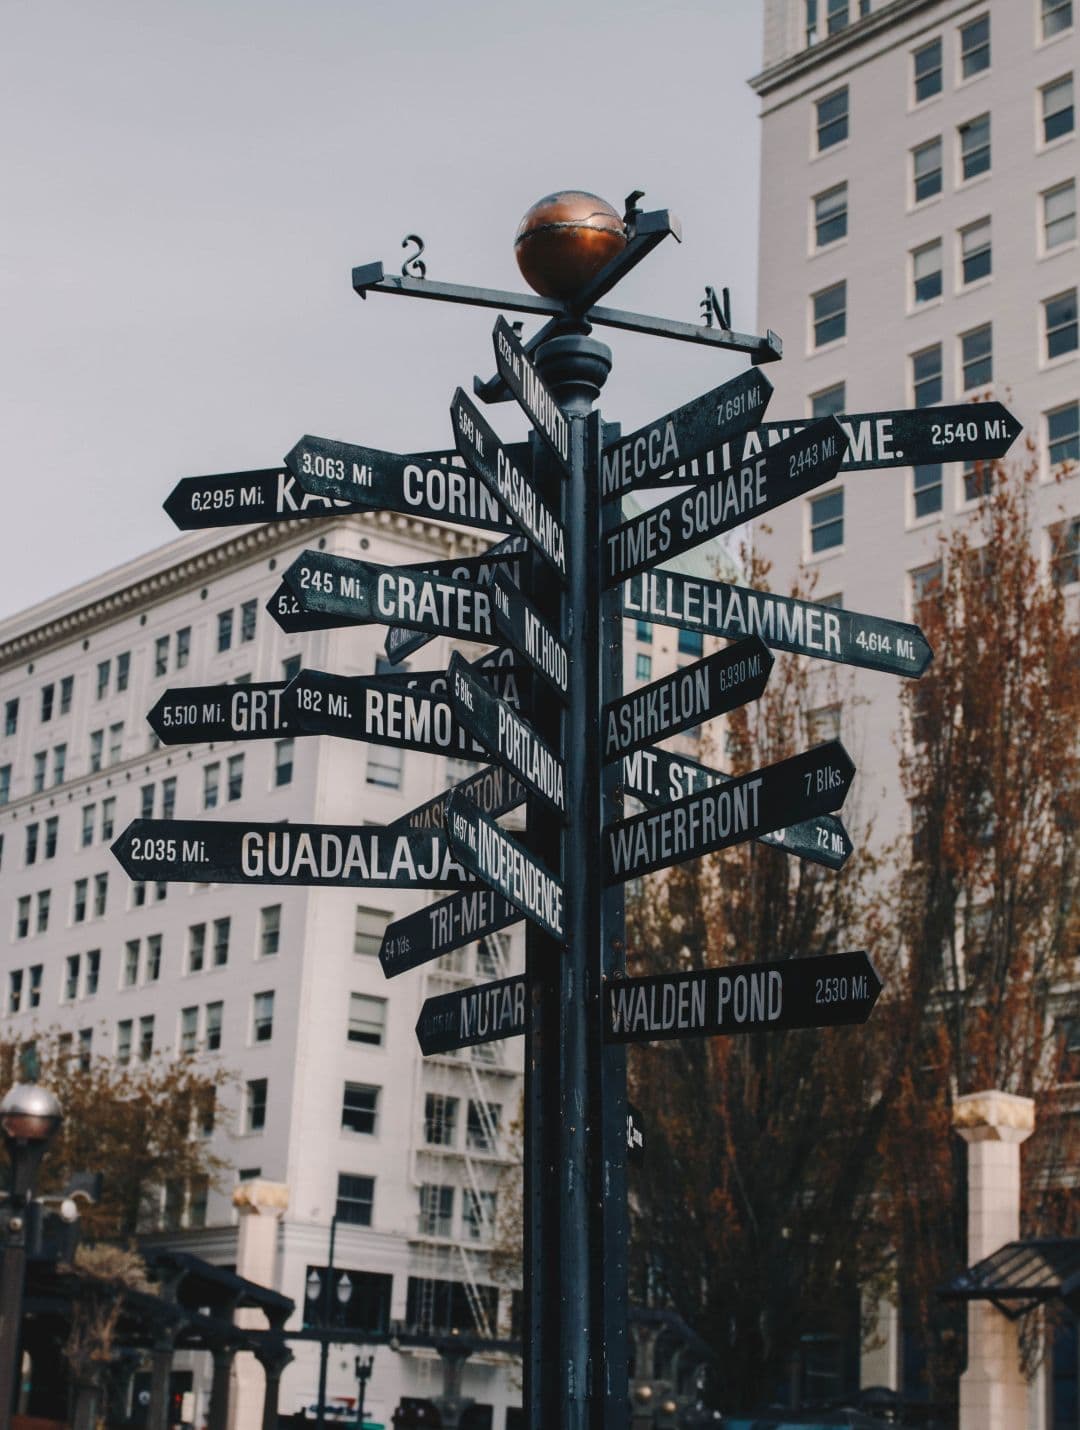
pixel 482 1014
pixel 505 865
pixel 440 928
pixel 827 991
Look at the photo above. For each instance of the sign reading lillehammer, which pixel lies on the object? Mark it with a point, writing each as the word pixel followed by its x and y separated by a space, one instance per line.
pixel 544 712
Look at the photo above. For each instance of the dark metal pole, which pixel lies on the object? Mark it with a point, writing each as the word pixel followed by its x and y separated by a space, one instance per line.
pixel 324 1347
pixel 12 1275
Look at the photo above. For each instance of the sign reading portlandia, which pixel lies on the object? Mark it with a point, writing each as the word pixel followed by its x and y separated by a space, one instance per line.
pixel 469 1016
pixel 494 791
pixel 222 712
pixel 532 393
pixel 967 432
pixel 506 736
pixel 508 480
pixel 640 459
pixel 505 865
pixel 796 789
pixel 212 851
pixel 805 627
pixel 824 991
pixel 808 460
pixel 657 777
pixel 440 928
pixel 712 686
pixel 517 619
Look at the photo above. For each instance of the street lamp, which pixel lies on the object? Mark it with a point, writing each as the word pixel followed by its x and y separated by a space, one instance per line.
pixel 364 1366
pixel 29 1117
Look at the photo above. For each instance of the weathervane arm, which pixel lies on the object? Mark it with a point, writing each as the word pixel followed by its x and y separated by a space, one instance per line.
pixel 370 278
pixel 761 349
pixel 650 229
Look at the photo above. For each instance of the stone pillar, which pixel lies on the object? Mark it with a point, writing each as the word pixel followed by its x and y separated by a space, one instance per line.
pixel 261 1206
pixel 993 1391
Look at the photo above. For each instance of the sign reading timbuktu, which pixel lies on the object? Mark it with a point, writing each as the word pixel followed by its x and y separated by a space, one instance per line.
pixel 473 1015
pixel 440 928
pixel 531 391
pixel 826 991
pixel 504 865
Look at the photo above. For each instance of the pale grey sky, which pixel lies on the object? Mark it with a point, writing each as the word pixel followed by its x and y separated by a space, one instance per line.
pixel 187 185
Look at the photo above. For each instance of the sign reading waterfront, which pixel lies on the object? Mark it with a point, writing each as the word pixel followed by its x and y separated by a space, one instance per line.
pixel 505 865
pixel 440 928
pixel 473 1015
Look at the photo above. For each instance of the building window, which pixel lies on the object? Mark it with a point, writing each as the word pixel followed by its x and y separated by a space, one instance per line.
pixel 832 119
pixel 690 642
pixel 837 16
pixel 976 477
pixel 221 941
pixel 925 586
pixel 926 489
pixel 123 1040
pixel 975 256
pixel 283 762
pixel 67 687
pixel 86 1048
pixel 1065 553
pixel 262 1017
pixel 384 766
pixel 59 755
pixel 269 931
pixel 71 977
pixel 101 894
pixel 975 47
pixel 146 1037
pixel 643 632
pixel 161 655
pixel 47 693
pixel 482 1126
pixel 1063 434
pixel 183 647
pixel 224 630
pixel 36 974
pixel 15 982
pixel 168 798
pixel 37 783
pixel 290 667
pixel 235 786
pixel 247 621
pixel 123 670
pixel 1056 15
pixel 1059 215
pixel 926 67
pixel 926 272
pixel 440 1120
pixel 131 963
pixel 22 917
pixel 30 851
pixel 827 521
pixel 196 948
pixel 828 403
pixel 811 22
pixel 11 716
pixel 359 1108
pixel 153 958
pixel 369 930
pixel 146 802
pixel 1058 118
pixel 116 742
pixel 214 1014
pixel 1059 316
pixel 255 1105
pixel 93 971
pixel 975 147
pixel 355 1199
pixel 51 826
pixel 926 169
pixel 830 216
pixel 643 667
pixel 108 817
pixel 478 1214
pixel 830 314
pixel 367 1019
pixel 211 780
pixel 926 376
pixel 5 783
pixel 823 724
pixel 436 1210
pixel 103 678
pixel 977 357
pixel 78 902
pixel 44 901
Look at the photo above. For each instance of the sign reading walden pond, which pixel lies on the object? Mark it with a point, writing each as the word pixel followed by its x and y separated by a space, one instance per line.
pixel 538 706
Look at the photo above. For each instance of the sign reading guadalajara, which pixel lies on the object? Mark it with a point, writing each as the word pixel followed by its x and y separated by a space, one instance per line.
pixel 440 928
pixel 505 865
pixel 473 1015
pixel 531 391
pixel 214 851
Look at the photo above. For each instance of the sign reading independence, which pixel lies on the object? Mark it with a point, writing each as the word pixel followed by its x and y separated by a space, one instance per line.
pixel 440 928
pixel 710 687
pixel 504 865
pixel 815 782
pixel 688 432
pixel 518 620
pixel 493 790
pixel 808 460
pixel 657 777
pixel 826 991
pixel 805 627
pixel 473 1015
pixel 210 851
pixel 528 387
pixel 222 712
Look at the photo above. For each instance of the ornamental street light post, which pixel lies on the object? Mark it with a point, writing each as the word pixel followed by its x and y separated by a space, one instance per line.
pixel 363 1368
pixel 316 1290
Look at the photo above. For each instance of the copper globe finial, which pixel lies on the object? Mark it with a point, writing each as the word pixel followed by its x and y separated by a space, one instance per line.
pixel 566 238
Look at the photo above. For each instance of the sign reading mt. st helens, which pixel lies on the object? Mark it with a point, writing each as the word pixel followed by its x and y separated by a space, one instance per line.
pixel 794 790
pixel 805 627
pixel 473 1015
pixel 440 928
pixel 505 865
pixel 517 371
pixel 215 851
pixel 689 432
pixel 808 460
pixel 712 686
pixel 221 712
pixel 825 991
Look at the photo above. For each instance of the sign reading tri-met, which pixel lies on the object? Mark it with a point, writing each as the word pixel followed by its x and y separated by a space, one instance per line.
pixel 440 928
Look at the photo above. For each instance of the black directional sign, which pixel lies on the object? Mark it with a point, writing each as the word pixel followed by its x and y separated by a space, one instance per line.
pixel 805 627
pixel 519 622
pixel 222 712
pixel 236 498
pixel 712 686
pixel 288 615
pixel 505 865
pixel 517 371
pixel 657 777
pixel 509 479
pixel 808 460
pixel 439 928
pixel 213 851
pixel 360 590
pixel 825 991
pixel 372 480
pixel 377 711
pixel 506 736
pixel 493 790
pixel 796 789
pixel 473 1015
pixel 685 434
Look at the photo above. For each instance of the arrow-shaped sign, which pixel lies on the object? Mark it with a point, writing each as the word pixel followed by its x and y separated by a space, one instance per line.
pixel 506 736
pixel 343 856
pixel 199 713
pixel 440 928
pixel 712 686
pixel 824 991
pixel 237 498
pixel 533 394
pixel 796 789
pixel 401 643
pixel 482 1014
pixel 657 777
pixel 518 620
pixel 494 791
pixel 505 865
pixel 808 460
pixel 805 627
pixel 641 459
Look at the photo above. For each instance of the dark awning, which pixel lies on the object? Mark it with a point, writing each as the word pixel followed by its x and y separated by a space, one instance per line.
pixel 1021 1275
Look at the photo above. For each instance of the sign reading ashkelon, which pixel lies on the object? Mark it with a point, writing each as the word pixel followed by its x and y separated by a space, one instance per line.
pixel 505 865
pixel 473 1015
